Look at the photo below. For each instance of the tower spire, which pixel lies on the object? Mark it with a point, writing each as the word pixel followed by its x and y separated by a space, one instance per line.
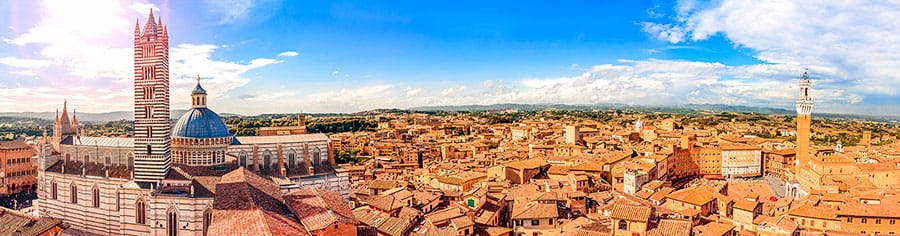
pixel 74 122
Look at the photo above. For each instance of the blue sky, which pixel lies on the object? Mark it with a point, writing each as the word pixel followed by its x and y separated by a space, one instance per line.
pixel 344 56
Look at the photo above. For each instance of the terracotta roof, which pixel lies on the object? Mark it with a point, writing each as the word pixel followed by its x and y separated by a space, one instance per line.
pixel 590 166
pixel 745 204
pixel 461 178
pixel 694 196
pixel 533 210
pixel 644 194
pixel 246 202
pixel 661 193
pixel 15 223
pixel 383 184
pixel 445 214
pixel 462 222
pixel 631 213
pixel 386 203
pixel 319 208
pixel 713 229
pixel 859 209
pixel 90 169
pixel 205 186
pixel 809 211
pixel 526 164
pixel 668 227
pixel 7 145
pixel 386 224
pixel 558 170
pixel 492 231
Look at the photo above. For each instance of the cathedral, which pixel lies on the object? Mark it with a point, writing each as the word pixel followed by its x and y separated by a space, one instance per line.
pixel 163 179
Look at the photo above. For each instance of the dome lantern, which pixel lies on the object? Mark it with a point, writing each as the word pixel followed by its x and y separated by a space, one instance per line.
pixel 198 96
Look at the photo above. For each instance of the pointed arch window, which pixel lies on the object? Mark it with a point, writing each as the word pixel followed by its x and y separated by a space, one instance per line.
pixel 172 222
pixel 53 190
pixel 140 210
pixel 118 200
pixel 243 158
pixel 207 220
pixel 267 159
pixel 95 197
pixel 292 159
pixel 73 197
pixel 317 157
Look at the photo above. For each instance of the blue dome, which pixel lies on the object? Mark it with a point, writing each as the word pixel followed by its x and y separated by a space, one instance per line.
pixel 200 123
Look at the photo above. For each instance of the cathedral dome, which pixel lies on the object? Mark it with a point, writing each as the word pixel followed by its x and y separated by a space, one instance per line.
pixel 200 123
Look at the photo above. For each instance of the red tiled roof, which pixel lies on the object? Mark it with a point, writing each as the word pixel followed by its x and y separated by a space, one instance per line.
pixel 7 145
pixel 247 203
pixel 671 227
pixel 631 213
pixel 319 208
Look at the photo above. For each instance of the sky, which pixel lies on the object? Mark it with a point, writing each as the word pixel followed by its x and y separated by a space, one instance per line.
pixel 272 56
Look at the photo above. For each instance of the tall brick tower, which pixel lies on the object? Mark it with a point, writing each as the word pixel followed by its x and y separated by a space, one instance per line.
pixel 151 102
pixel 804 108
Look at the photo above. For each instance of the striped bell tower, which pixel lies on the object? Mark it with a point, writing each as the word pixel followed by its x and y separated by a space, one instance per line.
pixel 151 102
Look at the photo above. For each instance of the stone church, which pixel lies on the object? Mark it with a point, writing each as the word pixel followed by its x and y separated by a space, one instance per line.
pixel 162 180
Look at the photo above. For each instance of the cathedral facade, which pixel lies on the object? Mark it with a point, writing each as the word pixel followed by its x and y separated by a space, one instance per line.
pixel 162 180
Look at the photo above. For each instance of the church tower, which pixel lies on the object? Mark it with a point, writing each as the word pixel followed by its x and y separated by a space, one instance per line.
pixel 804 108
pixel 151 102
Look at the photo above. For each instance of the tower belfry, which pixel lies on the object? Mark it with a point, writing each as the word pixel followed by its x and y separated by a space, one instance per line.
pixel 151 102
pixel 804 109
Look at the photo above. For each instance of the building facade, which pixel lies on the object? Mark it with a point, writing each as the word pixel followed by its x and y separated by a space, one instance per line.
pixel 741 160
pixel 17 174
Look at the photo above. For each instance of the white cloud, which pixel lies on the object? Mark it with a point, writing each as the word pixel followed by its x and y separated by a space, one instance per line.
pixel 452 91
pixel 664 32
pixel 80 54
pixel 335 72
pixel 356 98
pixel 266 97
pixel 24 63
pixel 288 54
pixel 143 7
pixel 189 60
pixel 851 42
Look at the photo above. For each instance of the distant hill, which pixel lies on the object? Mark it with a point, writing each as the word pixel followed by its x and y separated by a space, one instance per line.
pixel 682 109
pixel 96 117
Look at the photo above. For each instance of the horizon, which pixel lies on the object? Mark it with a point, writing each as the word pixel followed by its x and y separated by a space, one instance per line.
pixel 259 57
